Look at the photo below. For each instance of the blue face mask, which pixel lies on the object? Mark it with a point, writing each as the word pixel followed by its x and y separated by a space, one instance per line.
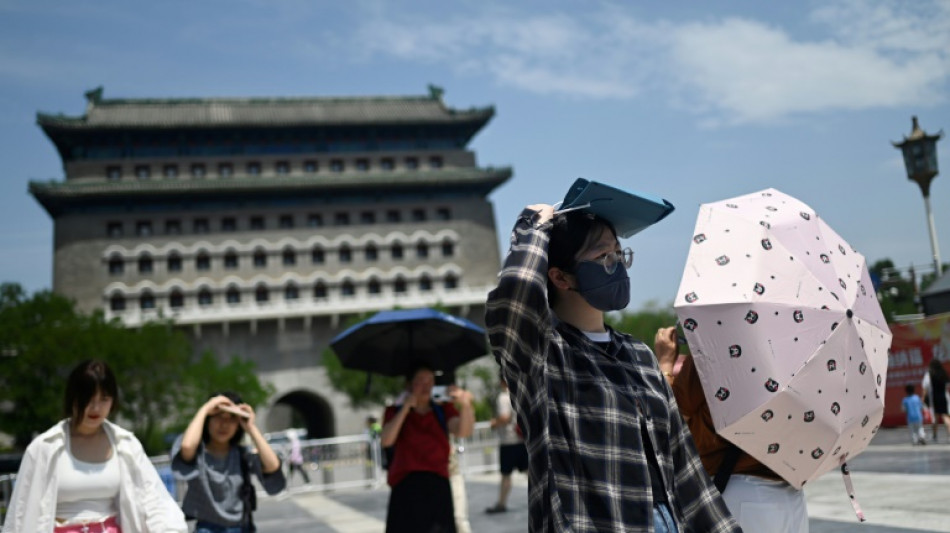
pixel 603 291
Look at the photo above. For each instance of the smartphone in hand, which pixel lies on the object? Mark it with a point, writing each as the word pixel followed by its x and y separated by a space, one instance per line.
pixel 440 394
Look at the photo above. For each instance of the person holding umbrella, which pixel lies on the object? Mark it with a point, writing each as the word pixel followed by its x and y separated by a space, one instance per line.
pixel 608 450
pixel 759 499
pixel 421 497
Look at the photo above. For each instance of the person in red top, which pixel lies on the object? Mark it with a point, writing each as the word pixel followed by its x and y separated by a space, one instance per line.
pixel 421 497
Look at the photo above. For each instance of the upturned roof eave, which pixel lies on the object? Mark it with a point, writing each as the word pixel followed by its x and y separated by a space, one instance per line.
pixel 52 195
pixel 52 123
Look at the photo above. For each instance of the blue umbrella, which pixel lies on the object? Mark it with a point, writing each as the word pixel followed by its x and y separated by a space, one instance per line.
pixel 391 343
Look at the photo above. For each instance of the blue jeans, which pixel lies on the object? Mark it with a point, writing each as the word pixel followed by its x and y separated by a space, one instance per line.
pixel 663 519
pixel 207 527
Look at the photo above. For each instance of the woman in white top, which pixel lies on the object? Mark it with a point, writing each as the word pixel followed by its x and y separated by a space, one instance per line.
pixel 88 475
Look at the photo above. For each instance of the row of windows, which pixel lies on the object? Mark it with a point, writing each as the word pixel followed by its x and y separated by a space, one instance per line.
pixel 281 168
pixel 259 258
pixel 202 225
pixel 291 293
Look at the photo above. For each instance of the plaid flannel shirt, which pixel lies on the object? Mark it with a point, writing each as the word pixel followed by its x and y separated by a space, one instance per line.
pixel 582 407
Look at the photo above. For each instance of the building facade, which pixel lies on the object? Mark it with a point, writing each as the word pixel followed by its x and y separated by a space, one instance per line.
pixel 260 225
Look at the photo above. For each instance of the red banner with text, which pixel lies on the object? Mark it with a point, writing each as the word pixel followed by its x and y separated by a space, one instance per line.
pixel 914 345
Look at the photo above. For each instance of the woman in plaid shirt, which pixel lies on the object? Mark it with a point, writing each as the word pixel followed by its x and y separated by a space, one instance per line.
pixel 608 450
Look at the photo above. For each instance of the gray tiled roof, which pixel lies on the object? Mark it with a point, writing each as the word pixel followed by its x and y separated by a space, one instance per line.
pixel 178 113
pixel 940 285
pixel 53 194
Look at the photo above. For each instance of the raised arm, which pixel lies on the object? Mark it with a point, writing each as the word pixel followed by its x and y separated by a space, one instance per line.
pixel 462 425
pixel 269 460
pixel 517 313
pixel 393 426
pixel 191 439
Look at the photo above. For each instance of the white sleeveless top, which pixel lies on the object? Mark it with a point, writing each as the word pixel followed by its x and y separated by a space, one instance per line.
pixel 87 492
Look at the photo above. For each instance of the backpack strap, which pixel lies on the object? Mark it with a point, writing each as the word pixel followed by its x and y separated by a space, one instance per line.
pixel 440 416
pixel 726 467
pixel 247 492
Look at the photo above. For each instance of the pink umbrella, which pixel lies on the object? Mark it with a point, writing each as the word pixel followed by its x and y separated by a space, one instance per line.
pixel 787 334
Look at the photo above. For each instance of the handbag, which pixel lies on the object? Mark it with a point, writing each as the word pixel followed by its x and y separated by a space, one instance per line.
pixel 928 415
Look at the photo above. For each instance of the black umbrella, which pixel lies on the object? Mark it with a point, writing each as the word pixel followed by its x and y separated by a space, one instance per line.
pixel 391 343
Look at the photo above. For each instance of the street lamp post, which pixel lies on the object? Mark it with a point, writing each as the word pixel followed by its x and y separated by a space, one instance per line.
pixel 920 158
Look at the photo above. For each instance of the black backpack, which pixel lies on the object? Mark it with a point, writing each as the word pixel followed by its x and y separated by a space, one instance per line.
pixel 390 451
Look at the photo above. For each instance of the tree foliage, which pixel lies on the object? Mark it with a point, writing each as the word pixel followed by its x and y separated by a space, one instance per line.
pixel 896 291
pixel 490 385
pixel 161 382
pixel 643 324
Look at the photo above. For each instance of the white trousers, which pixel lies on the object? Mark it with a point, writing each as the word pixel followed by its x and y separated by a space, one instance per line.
pixel 766 506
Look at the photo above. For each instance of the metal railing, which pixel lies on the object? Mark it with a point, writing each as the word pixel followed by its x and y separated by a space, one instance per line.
pixel 336 463
pixel 356 460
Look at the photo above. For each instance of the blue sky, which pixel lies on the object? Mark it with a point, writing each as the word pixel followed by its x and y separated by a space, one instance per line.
pixel 695 102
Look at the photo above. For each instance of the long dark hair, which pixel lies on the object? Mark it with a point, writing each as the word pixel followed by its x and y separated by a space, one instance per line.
pixel 239 434
pixel 571 233
pixel 937 371
pixel 85 379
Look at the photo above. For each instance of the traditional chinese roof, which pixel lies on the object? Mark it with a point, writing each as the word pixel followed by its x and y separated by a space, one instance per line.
pixel 183 113
pixel 57 196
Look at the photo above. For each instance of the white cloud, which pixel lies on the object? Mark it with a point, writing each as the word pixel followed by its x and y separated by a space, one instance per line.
pixel 889 26
pixel 548 54
pixel 744 71
pixel 872 54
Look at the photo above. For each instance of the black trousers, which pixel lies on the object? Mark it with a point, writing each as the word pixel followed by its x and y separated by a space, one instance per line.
pixel 421 503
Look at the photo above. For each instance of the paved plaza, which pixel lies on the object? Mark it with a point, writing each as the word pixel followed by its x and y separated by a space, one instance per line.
pixel 902 489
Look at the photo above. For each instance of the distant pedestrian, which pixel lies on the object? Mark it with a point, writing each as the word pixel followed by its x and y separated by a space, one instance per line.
pixel 512 453
pixel 295 458
pixel 86 474
pixel 913 409
pixel 935 395
pixel 209 456
pixel 373 427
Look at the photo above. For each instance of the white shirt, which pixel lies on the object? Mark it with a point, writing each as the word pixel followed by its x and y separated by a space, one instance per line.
pixel 506 434
pixel 145 506
pixel 87 492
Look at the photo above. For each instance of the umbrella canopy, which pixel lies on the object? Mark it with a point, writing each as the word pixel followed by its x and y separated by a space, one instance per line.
pixel 393 342
pixel 786 332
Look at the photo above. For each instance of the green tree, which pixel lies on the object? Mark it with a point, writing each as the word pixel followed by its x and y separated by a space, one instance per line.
pixel 896 293
pixel 39 340
pixel 161 382
pixel 487 376
pixel 642 324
